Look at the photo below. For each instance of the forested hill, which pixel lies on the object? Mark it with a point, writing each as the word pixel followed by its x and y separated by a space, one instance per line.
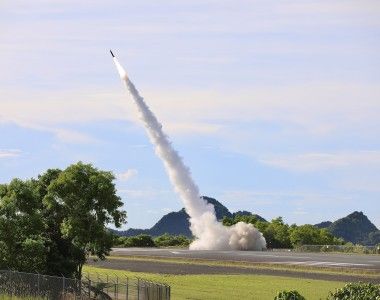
pixel 178 222
pixel 355 228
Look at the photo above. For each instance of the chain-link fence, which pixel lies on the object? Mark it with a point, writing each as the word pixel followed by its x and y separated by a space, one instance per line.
pixel 41 287
pixel 339 248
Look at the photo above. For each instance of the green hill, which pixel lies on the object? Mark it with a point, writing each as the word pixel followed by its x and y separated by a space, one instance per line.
pixel 178 222
pixel 355 228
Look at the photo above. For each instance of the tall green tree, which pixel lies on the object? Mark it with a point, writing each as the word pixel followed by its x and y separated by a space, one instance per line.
pixel 311 235
pixel 21 227
pixel 53 223
pixel 278 234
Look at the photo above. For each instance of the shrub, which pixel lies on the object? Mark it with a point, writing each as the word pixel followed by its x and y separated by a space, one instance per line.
pixel 289 295
pixel 167 240
pixel 356 291
pixel 142 240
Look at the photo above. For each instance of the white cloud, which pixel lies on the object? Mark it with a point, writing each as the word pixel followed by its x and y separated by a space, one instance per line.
pixel 72 136
pixel 52 111
pixel 127 175
pixel 7 153
pixel 146 193
pixel 192 128
pixel 310 162
pixel 300 211
pixel 33 108
pixel 317 109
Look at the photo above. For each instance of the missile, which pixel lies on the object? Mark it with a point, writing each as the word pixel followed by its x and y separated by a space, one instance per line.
pixel 120 69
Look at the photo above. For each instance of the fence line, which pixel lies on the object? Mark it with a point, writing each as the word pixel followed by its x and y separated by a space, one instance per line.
pixel 339 248
pixel 43 287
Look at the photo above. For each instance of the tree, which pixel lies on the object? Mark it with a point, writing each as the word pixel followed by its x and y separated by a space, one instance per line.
pixel 51 224
pixel 21 228
pixel 141 240
pixel 278 234
pixel 84 201
pixel 311 235
pixel 356 290
pixel 373 238
pixel 167 240
pixel 304 235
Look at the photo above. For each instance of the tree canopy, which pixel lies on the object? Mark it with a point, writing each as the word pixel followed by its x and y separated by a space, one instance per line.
pixel 52 223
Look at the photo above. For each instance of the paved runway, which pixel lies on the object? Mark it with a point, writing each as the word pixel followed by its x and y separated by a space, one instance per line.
pixel 274 257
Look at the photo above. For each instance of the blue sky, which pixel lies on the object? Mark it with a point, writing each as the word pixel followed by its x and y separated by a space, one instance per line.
pixel 274 105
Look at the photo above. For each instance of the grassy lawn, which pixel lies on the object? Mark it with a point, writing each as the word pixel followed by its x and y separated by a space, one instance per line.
pixel 229 286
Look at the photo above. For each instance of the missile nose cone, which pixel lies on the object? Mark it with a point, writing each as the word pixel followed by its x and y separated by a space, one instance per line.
pixel 112 53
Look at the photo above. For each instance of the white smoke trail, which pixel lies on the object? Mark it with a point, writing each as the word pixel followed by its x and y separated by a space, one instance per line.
pixel 210 234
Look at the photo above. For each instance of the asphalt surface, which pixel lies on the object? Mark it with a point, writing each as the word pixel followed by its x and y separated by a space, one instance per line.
pixel 354 261
pixel 188 269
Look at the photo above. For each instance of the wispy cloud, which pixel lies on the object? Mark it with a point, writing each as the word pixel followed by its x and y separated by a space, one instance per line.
pixel 316 110
pixel 127 175
pixel 8 153
pixel 310 162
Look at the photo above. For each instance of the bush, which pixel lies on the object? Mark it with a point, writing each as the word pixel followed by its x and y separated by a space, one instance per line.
pixel 141 240
pixel 119 241
pixel 167 240
pixel 289 295
pixel 356 291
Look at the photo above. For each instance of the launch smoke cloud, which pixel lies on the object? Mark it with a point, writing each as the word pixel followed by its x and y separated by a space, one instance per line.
pixel 209 233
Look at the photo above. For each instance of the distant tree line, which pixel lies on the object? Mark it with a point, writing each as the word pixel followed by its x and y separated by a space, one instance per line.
pixel 53 223
pixel 281 235
pixel 277 234
pixel 145 240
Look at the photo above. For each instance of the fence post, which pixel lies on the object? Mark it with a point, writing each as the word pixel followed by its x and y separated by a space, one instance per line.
pixel 107 285
pixel 117 287
pixel 126 290
pixel 11 283
pixel 138 289
pixel 89 287
pixel 63 287
pixel 38 283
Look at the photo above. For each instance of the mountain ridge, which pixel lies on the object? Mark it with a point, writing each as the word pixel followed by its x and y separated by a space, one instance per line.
pixel 177 223
pixel 355 227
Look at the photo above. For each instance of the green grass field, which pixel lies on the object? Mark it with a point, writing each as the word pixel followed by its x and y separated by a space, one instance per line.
pixel 229 286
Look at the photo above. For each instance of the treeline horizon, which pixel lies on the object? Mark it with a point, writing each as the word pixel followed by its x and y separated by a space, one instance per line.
pixel 276 232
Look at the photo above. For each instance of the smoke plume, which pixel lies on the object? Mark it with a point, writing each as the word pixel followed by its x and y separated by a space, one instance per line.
pixel 209 233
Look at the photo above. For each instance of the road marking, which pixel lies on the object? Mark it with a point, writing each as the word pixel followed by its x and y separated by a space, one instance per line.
pixel 349 264
pixel 319 263
pixel 258 254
